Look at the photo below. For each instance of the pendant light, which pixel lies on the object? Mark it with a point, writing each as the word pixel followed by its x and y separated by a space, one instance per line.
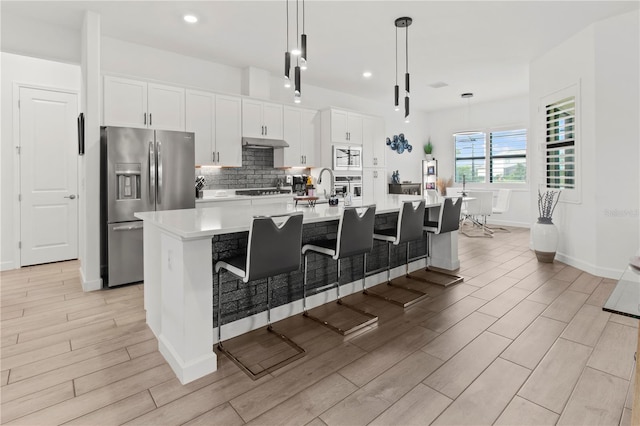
pixel 296 91
pixel 396 88
pixel 303 44
pixel 287 56
pixel 404 22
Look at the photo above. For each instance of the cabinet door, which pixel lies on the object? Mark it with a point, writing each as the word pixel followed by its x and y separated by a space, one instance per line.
pixel 339 123
pixel 380 148
pixel 165 105
pixel 200 116
pixel 252 126
pixel 309 143
pixel 291 156
pixel 368 142
pixel 354 128
pixel 374 182
pixel 228 130
pixel 125 102
pixel 272 120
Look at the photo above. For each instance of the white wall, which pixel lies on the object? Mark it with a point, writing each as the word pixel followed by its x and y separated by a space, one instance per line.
pixel 482 116
pixel 32 71
pixel 603 61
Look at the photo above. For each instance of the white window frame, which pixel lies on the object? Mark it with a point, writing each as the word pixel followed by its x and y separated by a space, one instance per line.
pixel 573 195
pixel 487 158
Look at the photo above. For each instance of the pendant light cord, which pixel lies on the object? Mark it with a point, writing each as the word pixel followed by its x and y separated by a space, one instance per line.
pixel 396 55
pixel 302 16
pixel 297 34
pixel 287 1
pixel 406 29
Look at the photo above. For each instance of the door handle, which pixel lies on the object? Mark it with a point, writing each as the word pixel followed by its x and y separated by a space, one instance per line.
pixel 72 196
pixel 159 168
pixel 150 119
pixel 127 227
pixel 218 154
pixel 145 118
pixel 152 173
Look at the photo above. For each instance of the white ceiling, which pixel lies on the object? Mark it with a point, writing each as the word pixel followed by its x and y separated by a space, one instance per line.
pixel 473 46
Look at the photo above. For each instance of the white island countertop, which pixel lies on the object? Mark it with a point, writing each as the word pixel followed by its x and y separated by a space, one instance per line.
pixel 210 221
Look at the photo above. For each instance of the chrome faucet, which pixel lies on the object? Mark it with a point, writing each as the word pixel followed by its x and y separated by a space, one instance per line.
pixel 333 190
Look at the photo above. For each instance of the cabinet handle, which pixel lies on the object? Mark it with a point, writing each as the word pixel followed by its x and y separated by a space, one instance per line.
pixel 266 130
pixel 145 118
pixel 150 119
pixel 218 156
pixel 262 130
pixel 213 156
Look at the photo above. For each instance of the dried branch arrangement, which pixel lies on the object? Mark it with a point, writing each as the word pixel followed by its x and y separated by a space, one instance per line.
pixel 547 202
pixel 443 184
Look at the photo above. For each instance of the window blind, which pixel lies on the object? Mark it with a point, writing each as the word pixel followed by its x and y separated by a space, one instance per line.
pixel 560 144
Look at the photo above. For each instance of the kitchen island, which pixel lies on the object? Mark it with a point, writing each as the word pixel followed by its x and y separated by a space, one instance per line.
pixel 181 247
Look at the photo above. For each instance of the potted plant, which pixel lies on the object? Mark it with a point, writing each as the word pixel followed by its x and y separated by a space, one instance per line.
pixel 544 231
pixel 428 149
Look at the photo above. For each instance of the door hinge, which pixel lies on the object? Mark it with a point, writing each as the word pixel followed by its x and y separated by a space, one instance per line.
pixel 19 244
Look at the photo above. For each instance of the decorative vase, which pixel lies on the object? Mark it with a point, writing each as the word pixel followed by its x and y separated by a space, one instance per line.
pixel 545 239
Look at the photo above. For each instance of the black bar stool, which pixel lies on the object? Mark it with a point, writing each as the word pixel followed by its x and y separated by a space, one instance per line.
pixel 448 221
pixel 408 228
pixel 272 250
pixel 354 237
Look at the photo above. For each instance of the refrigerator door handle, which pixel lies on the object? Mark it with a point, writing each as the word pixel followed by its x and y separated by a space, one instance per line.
pixel 152 173
pixel 159 167
pixel 128 227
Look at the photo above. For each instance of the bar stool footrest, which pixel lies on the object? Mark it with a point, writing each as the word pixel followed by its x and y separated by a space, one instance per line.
pixel 342 327
pixel 413 296
pixel 300 352
pixel 432 276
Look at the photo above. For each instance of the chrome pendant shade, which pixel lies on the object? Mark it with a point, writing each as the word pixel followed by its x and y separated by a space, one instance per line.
pixel 403 22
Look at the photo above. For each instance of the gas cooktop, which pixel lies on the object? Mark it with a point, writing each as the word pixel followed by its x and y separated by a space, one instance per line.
pixel 263 191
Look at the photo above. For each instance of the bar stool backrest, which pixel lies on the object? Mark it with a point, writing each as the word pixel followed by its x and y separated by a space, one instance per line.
pixel 273 249
pixel 355 231
pixel 449 215
pixel 410 220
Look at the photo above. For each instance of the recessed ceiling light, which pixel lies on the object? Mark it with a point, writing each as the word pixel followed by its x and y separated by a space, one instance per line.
pixel 367 74
pixel 190 19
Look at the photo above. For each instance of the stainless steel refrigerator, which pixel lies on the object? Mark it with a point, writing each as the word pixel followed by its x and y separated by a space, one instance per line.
pixel 141 170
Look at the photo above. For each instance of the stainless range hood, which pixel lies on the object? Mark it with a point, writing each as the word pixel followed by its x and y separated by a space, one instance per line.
pixel 264 143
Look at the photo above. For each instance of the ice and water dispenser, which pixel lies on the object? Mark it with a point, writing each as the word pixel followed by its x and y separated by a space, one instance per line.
pixel 128 181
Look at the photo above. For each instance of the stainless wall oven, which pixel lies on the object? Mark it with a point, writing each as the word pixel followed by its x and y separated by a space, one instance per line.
pixel 347 158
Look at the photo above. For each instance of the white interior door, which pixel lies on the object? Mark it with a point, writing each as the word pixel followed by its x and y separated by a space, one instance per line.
pixel 48 176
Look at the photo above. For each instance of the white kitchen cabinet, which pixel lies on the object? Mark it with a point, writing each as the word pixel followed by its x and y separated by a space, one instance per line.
pixel 374 148
pixel 374 184
pixel 136 103
pixel 300 133
pixel 346 127
pixel 216 122
pixel 262 120
pixel 229 130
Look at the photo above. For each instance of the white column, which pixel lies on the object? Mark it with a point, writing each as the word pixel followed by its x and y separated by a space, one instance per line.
pixel 186 335
pixel 89 164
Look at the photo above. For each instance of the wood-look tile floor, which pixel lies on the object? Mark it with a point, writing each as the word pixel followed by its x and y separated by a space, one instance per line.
pixel 518 342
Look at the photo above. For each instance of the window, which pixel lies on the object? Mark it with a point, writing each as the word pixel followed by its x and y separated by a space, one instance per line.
pixel 470 157
pixel 502 159
pixel 508 156
pixel 560 141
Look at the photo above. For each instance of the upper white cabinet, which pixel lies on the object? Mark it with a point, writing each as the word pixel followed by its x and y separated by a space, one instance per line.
pixel 262 119
pixel 300 132
pixel 374 148
pixel 346 127
pixel 135 103
pixel 216 122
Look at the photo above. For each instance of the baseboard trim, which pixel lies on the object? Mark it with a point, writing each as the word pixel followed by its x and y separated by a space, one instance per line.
pixel 596 270
pixel 7 266
pixel 508 223
pixel 91 285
